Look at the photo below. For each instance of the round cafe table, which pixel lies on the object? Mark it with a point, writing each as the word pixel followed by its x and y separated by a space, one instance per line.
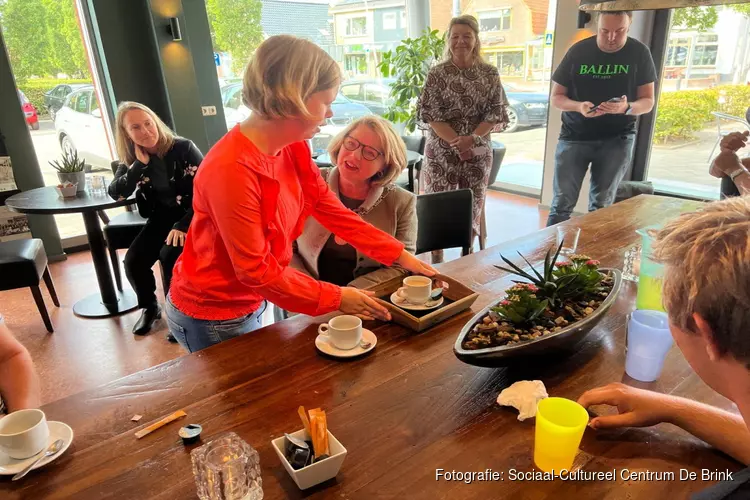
pixel 46 200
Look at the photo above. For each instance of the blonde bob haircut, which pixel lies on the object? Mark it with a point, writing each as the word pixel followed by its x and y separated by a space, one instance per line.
pixel 283 73
pixel 394 149
pixel 123 142
pixel 472 23
pixel 707 259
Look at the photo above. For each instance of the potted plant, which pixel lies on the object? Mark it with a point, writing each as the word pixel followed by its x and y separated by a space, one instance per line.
pixel 70 168
pixel 552 309
pixel 409 64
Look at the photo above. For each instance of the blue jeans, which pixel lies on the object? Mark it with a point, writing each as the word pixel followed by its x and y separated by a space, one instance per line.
pixel 196 334
pixel 609 159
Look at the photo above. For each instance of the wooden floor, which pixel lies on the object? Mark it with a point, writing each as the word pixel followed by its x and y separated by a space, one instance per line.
pixel 84 353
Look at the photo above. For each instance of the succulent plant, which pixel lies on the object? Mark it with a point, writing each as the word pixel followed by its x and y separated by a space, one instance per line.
pixel 521 305
pixel 559 280
pixel 70 163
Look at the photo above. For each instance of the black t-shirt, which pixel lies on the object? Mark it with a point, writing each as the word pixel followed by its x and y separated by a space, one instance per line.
pixel 593 75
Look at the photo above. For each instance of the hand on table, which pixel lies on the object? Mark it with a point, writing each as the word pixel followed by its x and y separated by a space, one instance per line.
pixel 176 238
pixel 636 407
pixel 413 264
pixel 585 110
pixel 362 304
pixel 615 108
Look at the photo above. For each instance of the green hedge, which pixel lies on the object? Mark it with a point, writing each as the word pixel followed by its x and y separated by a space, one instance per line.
pixel 36 88
pixel 680 114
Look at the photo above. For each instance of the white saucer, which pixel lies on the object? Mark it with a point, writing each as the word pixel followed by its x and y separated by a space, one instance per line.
pixel 405 304
pixel 57 430
pixel 322 344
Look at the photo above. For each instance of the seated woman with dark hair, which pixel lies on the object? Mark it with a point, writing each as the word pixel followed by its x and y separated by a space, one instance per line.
pixel 160 168
pixel 369 155
pixel 19 385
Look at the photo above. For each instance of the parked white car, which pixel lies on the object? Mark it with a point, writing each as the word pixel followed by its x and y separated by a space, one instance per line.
pixel 80 128
pixel 344 112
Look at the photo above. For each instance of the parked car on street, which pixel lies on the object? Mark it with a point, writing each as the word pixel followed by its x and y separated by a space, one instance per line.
pixel 80 128
pixel 526 109
pixel 375 94
pixel 55 97
pixel 29 111
pixel 344 112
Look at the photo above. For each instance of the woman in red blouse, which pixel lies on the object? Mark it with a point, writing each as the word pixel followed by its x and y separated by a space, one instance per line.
pixel 251 197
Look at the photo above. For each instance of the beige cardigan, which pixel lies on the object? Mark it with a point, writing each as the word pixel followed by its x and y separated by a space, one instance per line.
pixel 390 209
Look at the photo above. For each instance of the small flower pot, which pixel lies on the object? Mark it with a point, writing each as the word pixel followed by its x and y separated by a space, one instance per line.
pixel 78 178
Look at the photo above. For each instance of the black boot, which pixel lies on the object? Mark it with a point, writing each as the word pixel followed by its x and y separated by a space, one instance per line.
pixel 171 338
pixel 149 316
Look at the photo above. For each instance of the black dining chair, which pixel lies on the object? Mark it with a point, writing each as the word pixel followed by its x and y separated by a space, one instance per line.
pixel 119 233
pixel 445 221
pixel 409 179
pixel 23 263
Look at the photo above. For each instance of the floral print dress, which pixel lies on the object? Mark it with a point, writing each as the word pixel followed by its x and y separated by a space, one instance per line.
pixel 463 98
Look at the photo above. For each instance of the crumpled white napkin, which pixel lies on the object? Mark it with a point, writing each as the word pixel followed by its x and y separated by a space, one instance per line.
pixel 524 396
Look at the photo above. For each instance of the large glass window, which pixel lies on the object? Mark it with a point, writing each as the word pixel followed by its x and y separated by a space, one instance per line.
pixel 356 26
pixel 516 38
pixel 496 20
pixel 50 61
pixel 704 96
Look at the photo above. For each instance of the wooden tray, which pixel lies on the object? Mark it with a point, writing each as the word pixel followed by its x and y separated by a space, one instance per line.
pixel 458 298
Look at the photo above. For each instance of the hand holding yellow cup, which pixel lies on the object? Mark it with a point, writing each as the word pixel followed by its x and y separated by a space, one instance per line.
pixel 560 424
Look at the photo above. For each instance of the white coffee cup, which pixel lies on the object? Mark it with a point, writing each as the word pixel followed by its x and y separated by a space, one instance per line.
pixel 416 289
pixel 344 332
pixel 24 433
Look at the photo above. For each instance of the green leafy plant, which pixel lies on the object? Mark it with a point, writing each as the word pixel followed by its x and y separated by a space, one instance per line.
pixel 409 64
pixel 521 305
pixel 682 113
pixel 70 163
pixel 584 273
pixel 559 280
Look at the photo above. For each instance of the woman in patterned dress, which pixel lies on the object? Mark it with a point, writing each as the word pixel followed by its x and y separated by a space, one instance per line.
pixel 461 104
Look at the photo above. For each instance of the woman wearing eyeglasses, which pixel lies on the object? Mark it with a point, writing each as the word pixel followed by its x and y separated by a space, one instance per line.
pixel 369 155
pixel 253 194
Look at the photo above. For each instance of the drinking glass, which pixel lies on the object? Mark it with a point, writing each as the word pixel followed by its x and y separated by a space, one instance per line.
pixel 97 183
pixel 568 236
pixel 648 342
pixel 560 424
pixel 227 468
pixel 632 266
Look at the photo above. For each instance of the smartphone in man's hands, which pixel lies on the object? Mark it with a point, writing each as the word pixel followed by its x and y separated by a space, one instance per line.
pixel 614 100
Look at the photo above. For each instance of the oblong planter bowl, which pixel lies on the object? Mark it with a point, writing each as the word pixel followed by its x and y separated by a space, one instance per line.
pixel 553 343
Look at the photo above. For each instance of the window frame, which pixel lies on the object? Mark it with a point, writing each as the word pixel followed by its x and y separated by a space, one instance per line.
pixel 503 14
pixel 349 24
pixel 393 21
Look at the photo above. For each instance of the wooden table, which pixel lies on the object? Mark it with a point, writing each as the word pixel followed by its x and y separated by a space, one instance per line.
pixel 46 200
pixel 404 411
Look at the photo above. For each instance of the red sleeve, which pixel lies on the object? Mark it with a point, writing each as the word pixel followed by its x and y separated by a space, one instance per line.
pixel 234 202
pixel 344 223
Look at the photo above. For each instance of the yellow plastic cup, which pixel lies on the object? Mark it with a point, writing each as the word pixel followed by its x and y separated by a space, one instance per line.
pixel 560 424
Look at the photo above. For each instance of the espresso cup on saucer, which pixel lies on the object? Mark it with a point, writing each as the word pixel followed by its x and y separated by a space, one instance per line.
pixel 344 332
pixel 23 433
pixel 416 290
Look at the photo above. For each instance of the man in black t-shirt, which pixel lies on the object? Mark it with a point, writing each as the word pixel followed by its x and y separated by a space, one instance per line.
pixel 608 67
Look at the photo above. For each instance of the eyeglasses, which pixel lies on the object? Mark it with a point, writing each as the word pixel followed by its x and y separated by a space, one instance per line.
pixel 368 153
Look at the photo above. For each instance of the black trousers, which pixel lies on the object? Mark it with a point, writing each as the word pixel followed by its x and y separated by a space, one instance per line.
pixel 149 247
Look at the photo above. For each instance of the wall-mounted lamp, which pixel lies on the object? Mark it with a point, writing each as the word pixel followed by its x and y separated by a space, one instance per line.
pixel 583 19
pixel 174 29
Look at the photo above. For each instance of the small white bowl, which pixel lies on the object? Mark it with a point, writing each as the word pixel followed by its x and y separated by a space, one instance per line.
pixel 67 192
pixel 314 474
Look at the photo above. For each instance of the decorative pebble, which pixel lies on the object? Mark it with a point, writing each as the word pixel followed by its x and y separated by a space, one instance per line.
pixel 588 310
pixel 559 320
